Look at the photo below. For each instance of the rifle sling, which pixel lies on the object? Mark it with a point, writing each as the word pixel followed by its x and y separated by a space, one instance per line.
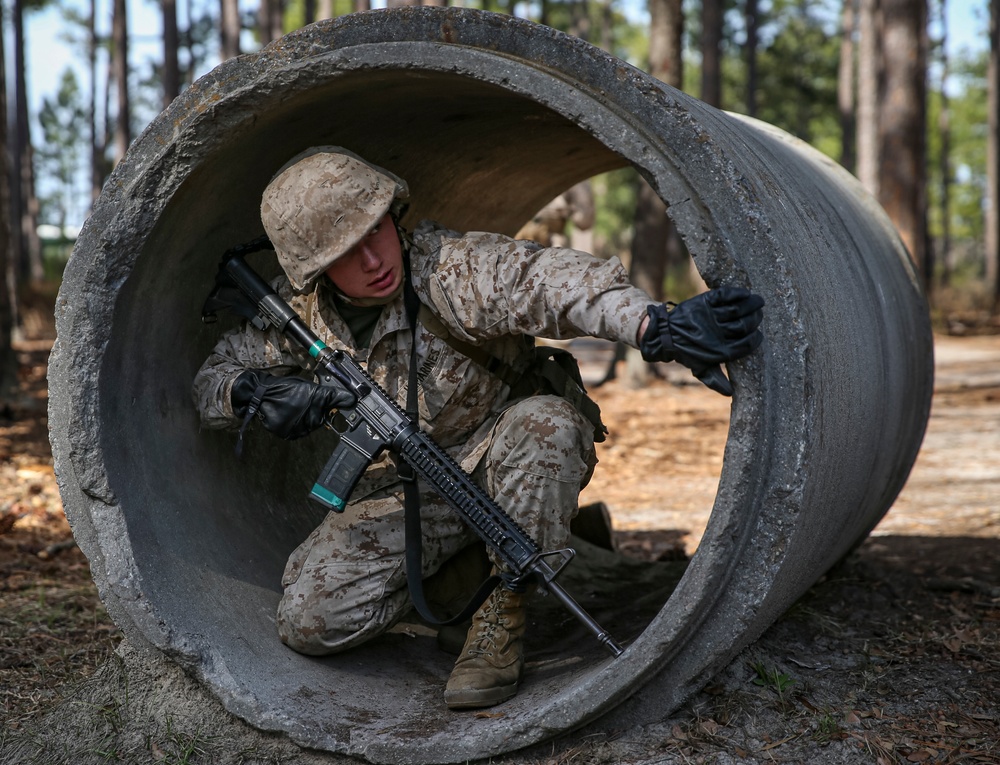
pixel 476 353
pixel 411 493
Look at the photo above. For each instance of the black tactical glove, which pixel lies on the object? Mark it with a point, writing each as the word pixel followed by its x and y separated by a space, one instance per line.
pixel 704 332
pixel 287 406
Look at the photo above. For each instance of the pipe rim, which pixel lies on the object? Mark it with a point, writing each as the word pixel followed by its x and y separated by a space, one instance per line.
pixel 124 207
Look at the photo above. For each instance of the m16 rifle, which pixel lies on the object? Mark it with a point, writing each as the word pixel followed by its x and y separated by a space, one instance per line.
pixel 375 423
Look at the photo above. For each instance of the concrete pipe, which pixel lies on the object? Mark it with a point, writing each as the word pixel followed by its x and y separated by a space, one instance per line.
pixel 487 117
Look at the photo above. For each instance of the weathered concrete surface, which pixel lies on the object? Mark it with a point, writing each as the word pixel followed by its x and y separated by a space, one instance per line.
pixel 486 117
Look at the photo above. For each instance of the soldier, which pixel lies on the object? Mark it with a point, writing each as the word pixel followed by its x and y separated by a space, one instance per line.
pixel 333 219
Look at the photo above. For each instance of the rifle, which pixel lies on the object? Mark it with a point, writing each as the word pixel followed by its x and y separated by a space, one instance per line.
pixel 376 423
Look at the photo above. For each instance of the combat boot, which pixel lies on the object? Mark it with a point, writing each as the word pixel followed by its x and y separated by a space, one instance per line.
pixel 489 668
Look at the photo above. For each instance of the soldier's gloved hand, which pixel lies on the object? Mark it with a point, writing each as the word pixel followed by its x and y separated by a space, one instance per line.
pixel 287 406
pixel 704 332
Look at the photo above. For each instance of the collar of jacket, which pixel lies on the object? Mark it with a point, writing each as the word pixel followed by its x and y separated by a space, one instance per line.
pixel 392 319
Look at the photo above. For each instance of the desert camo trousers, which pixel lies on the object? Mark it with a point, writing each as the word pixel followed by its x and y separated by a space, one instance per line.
pixel 347 582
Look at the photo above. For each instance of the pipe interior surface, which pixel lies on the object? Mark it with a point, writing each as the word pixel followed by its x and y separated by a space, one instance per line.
pixel 487 118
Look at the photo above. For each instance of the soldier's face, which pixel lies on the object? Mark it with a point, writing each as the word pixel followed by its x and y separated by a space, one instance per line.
pixel 373 268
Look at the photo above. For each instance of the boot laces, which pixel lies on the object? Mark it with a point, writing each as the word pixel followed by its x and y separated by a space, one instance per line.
pixel 487 632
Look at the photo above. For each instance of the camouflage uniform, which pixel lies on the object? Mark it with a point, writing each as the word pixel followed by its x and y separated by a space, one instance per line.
pixel 346 582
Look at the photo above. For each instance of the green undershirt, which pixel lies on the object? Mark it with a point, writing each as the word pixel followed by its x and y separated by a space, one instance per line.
pixel 361 320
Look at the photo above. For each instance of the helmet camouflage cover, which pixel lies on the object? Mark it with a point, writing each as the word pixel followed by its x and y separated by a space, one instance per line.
pixel 320 204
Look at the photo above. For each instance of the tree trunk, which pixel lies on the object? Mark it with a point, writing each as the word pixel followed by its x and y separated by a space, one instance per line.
pixel 119 32
pixel 580 20
pixel 108 121
pixel 28 250
pixel 8 291
pixel 666 27
pixel 711 52
pixel 269 20
pixel 750 51
pixel 652 227
pixel 544 13
pixel 229 29
pixel 97 141
pixel 607 26
pixel 649 257
pixel 869 93
pixel 171 42
pixel 902 128
pixel 846 86
pixel 993 159
pixel 923 197
pixel 944 155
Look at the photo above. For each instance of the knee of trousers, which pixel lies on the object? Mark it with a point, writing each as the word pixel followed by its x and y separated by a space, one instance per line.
pixel 318 617
pixel 317 634
pixel 546 436
pixel 540 456
pixel 302 638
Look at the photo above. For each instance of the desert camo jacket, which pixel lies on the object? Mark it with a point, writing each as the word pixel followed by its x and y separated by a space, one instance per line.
pixel 487 289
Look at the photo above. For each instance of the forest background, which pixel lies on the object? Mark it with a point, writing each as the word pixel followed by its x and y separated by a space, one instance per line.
pixel 875 84
pixel 878 85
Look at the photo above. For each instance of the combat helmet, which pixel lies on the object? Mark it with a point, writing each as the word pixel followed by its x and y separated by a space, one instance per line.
pixel 320 204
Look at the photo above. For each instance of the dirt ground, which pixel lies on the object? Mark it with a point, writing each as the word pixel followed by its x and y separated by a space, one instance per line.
pixel 893 657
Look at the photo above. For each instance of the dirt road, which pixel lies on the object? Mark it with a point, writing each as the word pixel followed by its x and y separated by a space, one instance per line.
pixel 666 450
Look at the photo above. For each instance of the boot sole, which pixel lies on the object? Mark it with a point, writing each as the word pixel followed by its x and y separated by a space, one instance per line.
pixel 468 698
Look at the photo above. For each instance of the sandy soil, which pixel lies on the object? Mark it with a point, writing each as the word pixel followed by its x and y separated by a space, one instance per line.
pixel 893 657
pixel 669 440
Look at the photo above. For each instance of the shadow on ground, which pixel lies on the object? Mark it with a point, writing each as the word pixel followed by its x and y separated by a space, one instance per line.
pixel 893 657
